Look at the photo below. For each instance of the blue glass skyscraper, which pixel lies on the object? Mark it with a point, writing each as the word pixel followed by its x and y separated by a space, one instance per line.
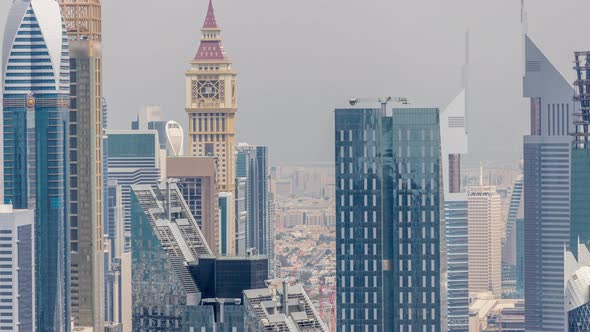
pixel 36 91
pixel 252 164
pixel 390 249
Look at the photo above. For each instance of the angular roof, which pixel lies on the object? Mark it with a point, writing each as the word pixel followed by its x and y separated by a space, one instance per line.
pixel 210 22
pixel 211 48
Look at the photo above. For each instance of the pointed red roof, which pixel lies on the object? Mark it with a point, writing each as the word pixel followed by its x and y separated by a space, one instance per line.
pixel 210 50
pixel 210 22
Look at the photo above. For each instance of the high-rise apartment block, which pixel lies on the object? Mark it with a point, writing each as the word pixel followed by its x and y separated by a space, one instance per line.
pixel 484 240
pixel 83 22
pixel 390 235
pixel 36 98
pixel 17 239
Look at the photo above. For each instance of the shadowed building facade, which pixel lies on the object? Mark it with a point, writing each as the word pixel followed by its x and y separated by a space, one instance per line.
pixel 390 235
pixel 83 21
pixel 547 158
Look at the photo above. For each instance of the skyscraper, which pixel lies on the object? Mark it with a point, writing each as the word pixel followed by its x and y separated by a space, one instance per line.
pixel 133 158
pixel 390 238
pixel 547 155
pixel 580 167
pixel 211 103
pixel 83 22
pixel 36 87
pixel 252 164
pixel 485 238
pixel 17 229
pixel 454 144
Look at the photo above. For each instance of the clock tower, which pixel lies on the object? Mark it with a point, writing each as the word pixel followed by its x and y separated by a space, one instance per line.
pixel 211 105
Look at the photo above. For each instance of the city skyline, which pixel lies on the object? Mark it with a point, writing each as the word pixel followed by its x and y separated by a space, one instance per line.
pixel 337 191
pixel 495 70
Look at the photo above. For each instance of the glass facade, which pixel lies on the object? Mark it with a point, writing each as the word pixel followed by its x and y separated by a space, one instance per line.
pixel 35 145
pixel 579 319
pixel 252 164
pixel 580 209
pixel 132 159
pixel 389 236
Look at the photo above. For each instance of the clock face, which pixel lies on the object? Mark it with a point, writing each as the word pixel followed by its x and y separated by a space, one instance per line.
pixel 208 89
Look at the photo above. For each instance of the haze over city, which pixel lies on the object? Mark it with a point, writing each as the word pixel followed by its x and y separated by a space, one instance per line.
pixel 299 59
pixel 317 166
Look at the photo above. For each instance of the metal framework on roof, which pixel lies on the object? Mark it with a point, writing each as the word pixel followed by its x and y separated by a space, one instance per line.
pixel 82 18
pixel 265 311
pixel 172 221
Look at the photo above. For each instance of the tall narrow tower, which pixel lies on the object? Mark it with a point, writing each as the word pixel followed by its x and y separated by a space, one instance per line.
pixel 83 22
pixel 211 103
pixel 36 86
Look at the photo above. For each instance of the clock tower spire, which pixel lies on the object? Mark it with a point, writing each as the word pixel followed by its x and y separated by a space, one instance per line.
pixel 211 106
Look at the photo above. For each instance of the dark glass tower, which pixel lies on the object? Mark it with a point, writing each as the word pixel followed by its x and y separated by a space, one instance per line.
pixel 35 100
pixel 390 238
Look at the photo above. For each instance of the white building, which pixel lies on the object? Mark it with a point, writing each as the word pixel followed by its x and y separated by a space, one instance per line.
pixel 17 269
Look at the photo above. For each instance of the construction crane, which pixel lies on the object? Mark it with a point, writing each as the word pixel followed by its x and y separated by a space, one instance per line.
pixel 383 101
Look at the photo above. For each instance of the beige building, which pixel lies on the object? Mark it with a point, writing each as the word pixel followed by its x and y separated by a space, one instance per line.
pixel 211 105
pixel 199 188
pixel 489 314
pixel 83 22
pixel 484 240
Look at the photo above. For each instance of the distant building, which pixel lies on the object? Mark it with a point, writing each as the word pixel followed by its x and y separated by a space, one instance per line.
pixel 512 245
pixel 252 164
pixel 485 224
pixel 198 184
pixel 17 239
pixel 389 249
pixel 490 314
pixel 114 251
pixel 281 307
pixel 133 158
pixel 227 224
pixel 457 230
pixel 174 139
pixel 241 215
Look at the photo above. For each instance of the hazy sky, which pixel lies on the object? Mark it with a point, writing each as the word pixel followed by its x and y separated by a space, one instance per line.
pixel 297 60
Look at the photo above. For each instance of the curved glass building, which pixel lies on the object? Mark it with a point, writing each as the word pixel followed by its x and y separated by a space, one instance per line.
pixel 35 68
